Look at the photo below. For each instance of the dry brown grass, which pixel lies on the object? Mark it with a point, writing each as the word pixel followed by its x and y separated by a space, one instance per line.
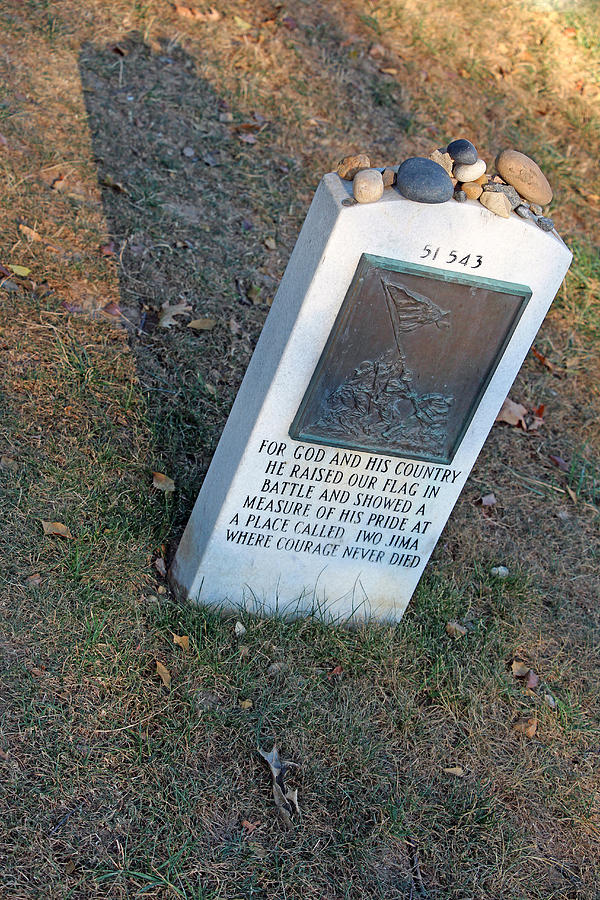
pixel 113 786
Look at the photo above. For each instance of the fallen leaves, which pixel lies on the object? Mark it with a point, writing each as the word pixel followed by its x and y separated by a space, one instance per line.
pixel 9 464
pixel 249 826
pixel 526 726
pixel 204 324
pixel 29 233
pixel 519 416
pixel 336 672
pixel 21 271
pixel 163 482
pixel 163 673
pixel 167 316
pixel 190 12
pixel 512 414
pixel 455 629
pixel 56 529
pixel 33 580
pixel 286 798
pixel 488 500
pixel 457 771
pixel 181 640
pixel 246 704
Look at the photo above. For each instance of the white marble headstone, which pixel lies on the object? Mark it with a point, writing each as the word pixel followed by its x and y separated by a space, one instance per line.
pixel 341 518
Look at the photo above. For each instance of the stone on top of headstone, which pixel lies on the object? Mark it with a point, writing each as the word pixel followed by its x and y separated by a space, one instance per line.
pixel 394 338
pixel 367 186
pixel 350 165
pixel 463 152
pixel 423 181
pixel 470 172
pixel 525 175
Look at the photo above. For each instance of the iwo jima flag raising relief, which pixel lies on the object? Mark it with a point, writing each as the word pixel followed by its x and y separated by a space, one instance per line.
pixel 407 361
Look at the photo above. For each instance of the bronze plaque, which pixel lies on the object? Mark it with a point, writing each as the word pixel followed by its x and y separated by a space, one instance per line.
pixel 408 360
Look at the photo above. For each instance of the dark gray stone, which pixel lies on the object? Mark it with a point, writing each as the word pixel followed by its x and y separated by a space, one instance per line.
pixel 460 196
pixel 506 189
pixel 524 212
pixel 424 181
pixel 462 152
pixel 544 223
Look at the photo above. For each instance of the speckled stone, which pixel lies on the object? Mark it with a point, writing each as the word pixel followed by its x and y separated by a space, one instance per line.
pixel 544 223
pixel 462 152
pixel 350 165
pixel 508 191
pixel 443 159
pixel 368 186
pixel 472 190
pixel 389 177
pixel 424 181
pixel 460 196
pixel 525 175
pixel 496 203
pixel 470 172
pixel 524 212
pixel 536 209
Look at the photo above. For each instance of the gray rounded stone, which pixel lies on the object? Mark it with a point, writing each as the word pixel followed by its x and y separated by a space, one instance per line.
pixel 463 152
pixel 460 196
pixel 424 181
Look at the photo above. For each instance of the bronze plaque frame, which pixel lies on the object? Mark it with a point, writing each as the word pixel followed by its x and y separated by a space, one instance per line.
pixel 408 360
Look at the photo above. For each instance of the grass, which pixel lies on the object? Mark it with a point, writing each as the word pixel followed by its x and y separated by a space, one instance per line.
pixel 116 786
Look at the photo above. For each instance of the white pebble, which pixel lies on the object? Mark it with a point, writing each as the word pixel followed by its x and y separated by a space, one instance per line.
pixel 367 186
pixel 239 629
pixel 470 173
pixel 500 571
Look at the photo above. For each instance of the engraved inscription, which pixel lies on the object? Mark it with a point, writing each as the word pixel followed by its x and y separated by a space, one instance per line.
pixel 408 360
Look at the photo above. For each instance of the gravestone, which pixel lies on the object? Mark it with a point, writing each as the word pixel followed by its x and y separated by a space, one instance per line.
pixel 393 340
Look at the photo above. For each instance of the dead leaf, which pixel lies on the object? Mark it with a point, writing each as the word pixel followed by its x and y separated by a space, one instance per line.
pixel 163 482
pixel 167 316
pixel 242 24
pixel 389 71
pixel 488 500
pixel 234 327
pixel 69 867
pixel 247 138
pixel 270 243
pixel 29 233
pixel 56 528
pixel 519 668
pixel 108 249
pixel 21 271
pixel 286 799
pixel 550 701
pixel 289 22
pixel 202 324
pixel 455 770
pixel 559 462
pixel 182 640
pixel 249 826
pixel 246 704
pixel 513 414
pixel 239 629
pixel 117 186
pixel 526 726
pixel 335 672
pixel 533 680
pixel 455 629
pixel 9 464
pixel 542 359
pixel 33 580
pixel 571 493
pixel 160 566
pixel 163 673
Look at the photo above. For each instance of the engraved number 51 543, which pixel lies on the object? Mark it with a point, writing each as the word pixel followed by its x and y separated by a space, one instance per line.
pixel 452 257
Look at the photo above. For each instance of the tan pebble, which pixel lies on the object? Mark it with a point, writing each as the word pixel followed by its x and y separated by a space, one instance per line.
pixel 483 179
pixel 470 173
pixel 472 190
pixel 368 186
pixel 525 176
pixel 389 177
pixel 496 203
pixel 350 165
pixel 443 159
pixel 454 181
